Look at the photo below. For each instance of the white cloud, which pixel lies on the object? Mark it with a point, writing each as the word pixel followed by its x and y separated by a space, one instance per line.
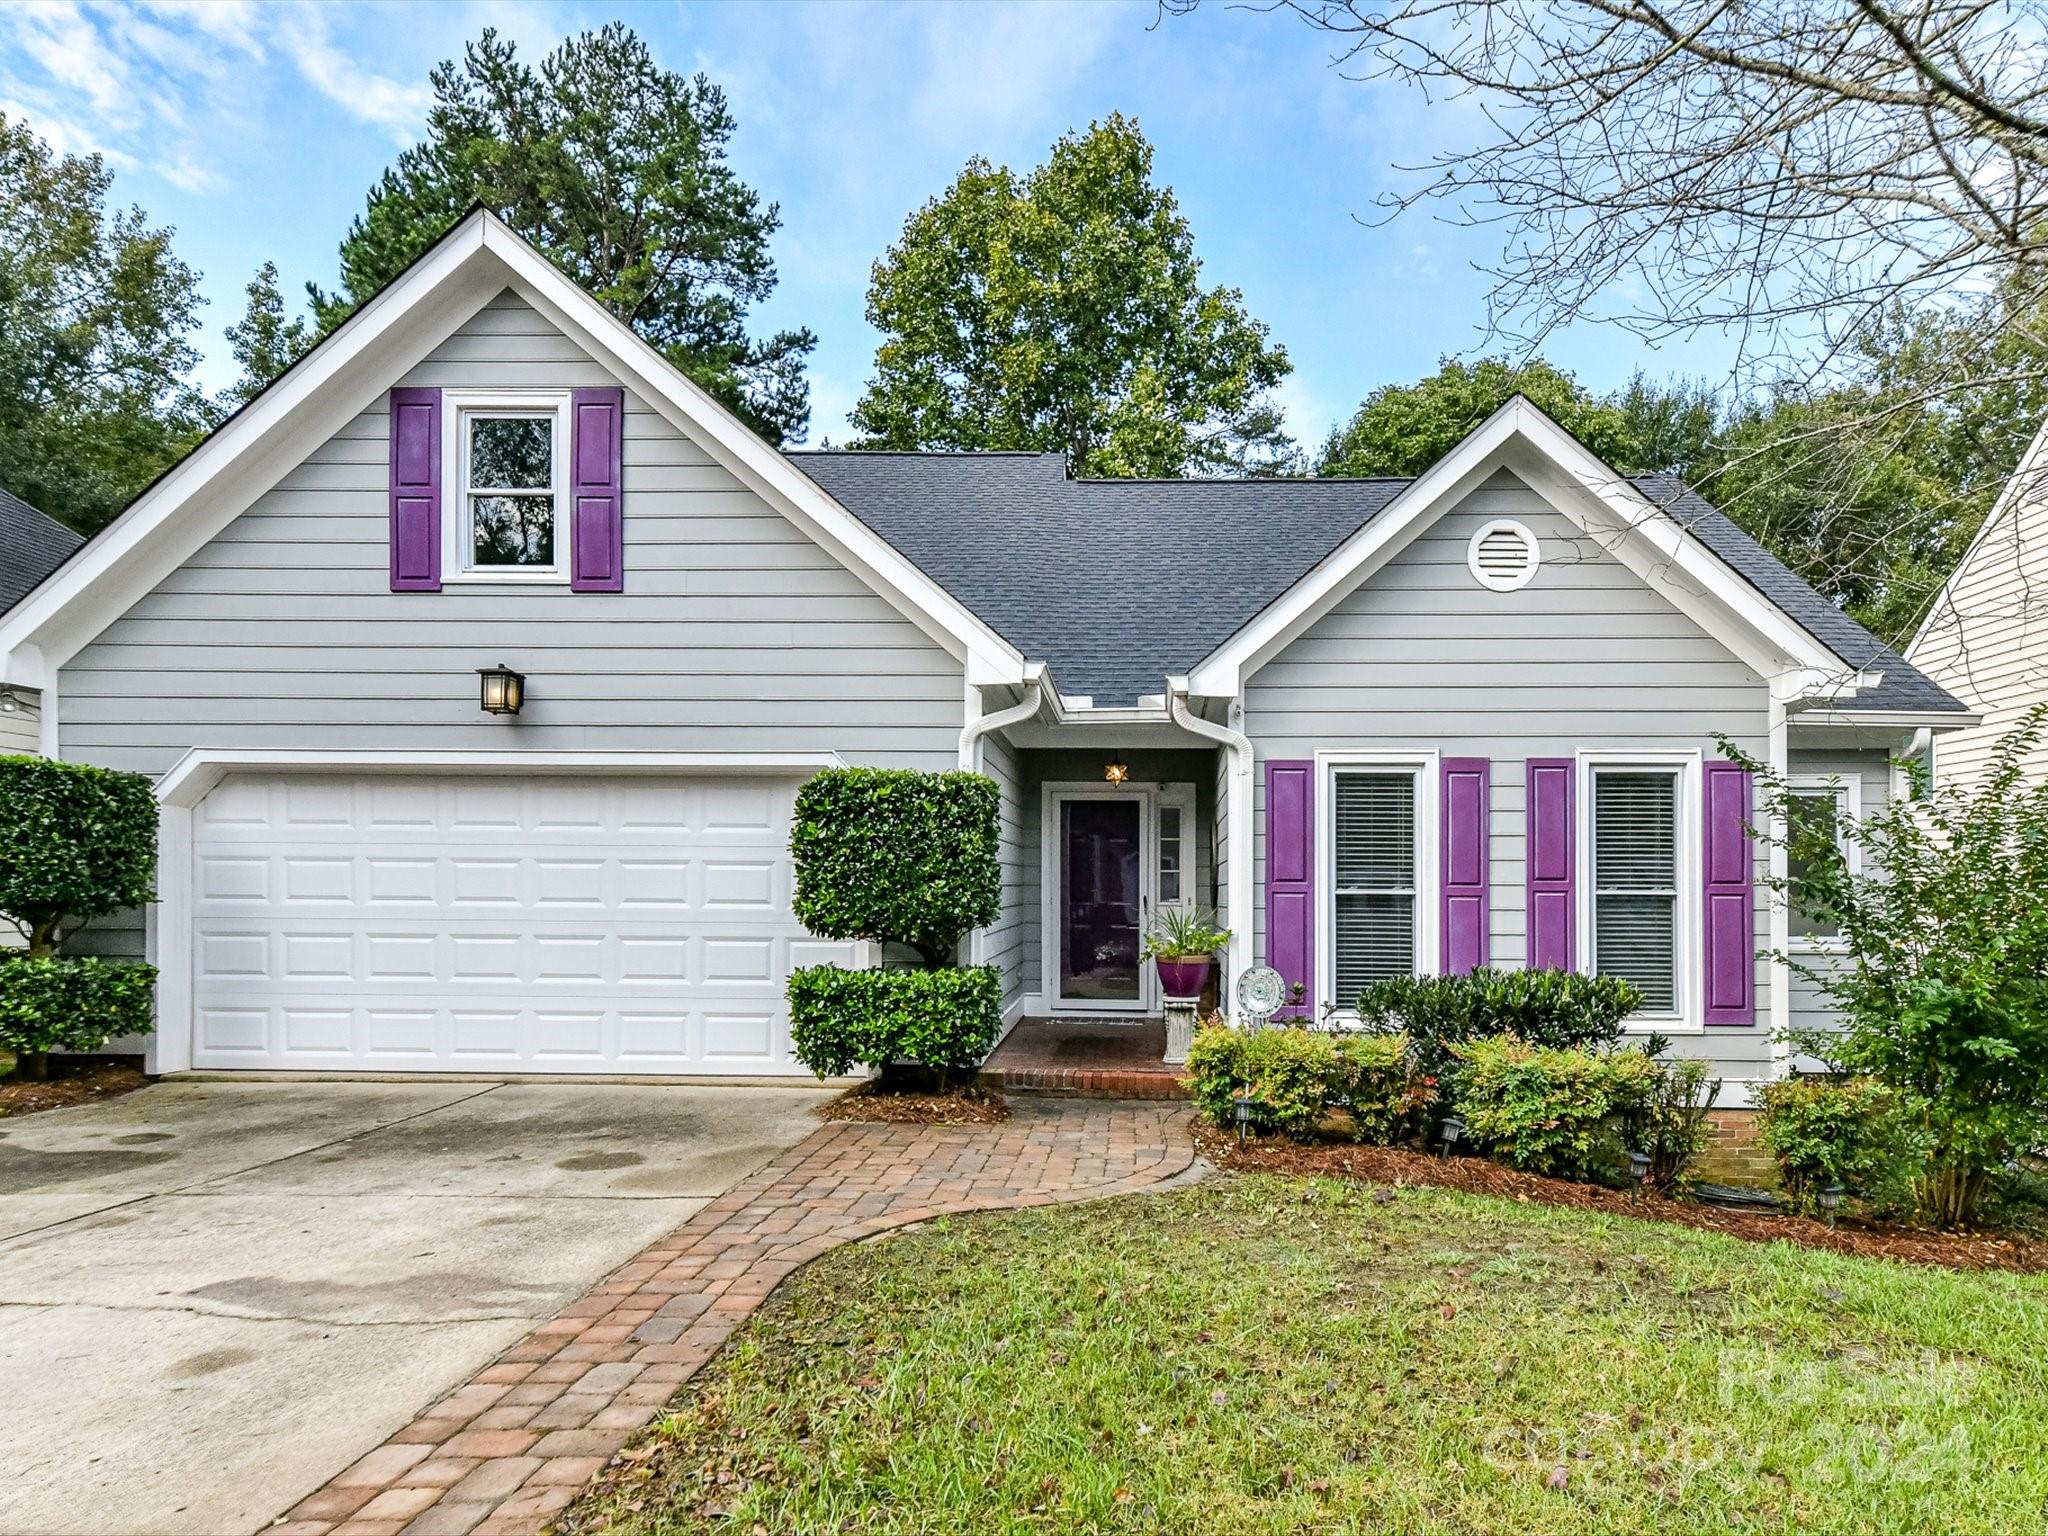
pixel 303 36
pixel 998 68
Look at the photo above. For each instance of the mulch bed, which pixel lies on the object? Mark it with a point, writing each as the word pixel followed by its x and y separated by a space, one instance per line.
pixel 958 1106
pixel 1478 1175
pixel 73 1080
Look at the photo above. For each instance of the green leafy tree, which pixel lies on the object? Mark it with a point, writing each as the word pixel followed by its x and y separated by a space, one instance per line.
pixel 263 341
pixel 1063 311
pixel 616 169
pixel 1402 429
pixel 96 323
pixel 1942 982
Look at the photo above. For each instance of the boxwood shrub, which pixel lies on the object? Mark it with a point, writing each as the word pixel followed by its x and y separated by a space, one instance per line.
pixel 895 856
pixel 944 1020
pixel 76 843
pixel 1548 1008
pixel 1558 1111
pixel 70 1002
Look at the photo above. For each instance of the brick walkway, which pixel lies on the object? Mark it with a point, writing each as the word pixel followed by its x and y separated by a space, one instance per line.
pixel 501 1454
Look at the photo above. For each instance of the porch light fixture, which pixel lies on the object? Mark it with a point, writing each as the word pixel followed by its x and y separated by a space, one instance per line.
pixel 1831 1199
pixel 1454 1128
pixel 503 689
pixel 9 704
pixel 1116 770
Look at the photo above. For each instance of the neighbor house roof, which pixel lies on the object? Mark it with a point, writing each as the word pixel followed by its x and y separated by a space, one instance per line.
pixel 32 544
pixel 1117 584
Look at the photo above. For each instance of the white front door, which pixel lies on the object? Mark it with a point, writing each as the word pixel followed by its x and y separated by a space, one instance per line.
pixel 567 923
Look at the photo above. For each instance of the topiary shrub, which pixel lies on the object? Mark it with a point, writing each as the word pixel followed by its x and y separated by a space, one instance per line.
pixel 1854 1131
pixel 1549 1110
pixel 1547 1008
pixel 894 856
pixel 76 843
pixel 941 1020
pixel 70 1002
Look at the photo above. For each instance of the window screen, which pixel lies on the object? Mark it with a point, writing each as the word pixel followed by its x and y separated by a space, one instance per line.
pixel 1635 883
pixel 1374 928
pixel 1819 811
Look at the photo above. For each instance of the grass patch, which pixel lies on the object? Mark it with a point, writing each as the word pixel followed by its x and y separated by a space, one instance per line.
pixel 1261 1354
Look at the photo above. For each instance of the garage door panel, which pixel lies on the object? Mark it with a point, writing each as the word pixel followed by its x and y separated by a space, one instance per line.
pixel 556 924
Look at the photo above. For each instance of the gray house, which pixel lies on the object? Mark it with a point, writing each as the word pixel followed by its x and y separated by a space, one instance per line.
pixel 1384 726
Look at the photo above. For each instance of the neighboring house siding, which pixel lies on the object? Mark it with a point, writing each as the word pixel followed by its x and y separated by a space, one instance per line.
pixel 735 633
pixel 21 728
pixel 1807 1005
pixel 1986 640
pixel 1421 657
pixel 1003 944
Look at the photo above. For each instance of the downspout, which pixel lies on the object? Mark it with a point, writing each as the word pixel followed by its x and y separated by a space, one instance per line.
pixel 971 735
pixel 1238 914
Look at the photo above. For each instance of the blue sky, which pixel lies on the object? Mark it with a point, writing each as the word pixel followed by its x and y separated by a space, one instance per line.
pixel 256 129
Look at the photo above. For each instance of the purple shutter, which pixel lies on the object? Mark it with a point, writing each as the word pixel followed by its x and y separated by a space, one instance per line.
pixel 1465 781
pixel 1729 910
pixel 1290 879
pixel 415 490
pixel 597 522
pixel 1551 854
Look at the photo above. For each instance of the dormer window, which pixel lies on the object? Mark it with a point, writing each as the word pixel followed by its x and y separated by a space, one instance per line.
pixel 510 459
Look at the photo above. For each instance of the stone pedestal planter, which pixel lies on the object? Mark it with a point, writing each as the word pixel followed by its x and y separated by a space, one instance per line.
pixel 1180 1029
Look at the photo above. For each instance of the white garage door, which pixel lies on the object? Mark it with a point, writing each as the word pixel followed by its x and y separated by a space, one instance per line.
pixel 565 923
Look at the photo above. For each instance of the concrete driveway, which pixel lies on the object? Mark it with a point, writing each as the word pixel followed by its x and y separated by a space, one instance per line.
pixel 215 1296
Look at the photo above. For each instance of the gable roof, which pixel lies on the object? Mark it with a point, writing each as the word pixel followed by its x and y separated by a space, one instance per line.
pixel 1119 584
pixel 32 544
pixel 475 261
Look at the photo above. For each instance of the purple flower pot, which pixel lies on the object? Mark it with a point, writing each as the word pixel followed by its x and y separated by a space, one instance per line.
pixel 1183 977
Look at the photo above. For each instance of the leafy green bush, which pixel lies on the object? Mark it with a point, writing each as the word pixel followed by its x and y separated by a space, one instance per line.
pixel 1547 1008
pixel 1942 983
pixel 76 843
pixel 70 1002
pixel 891 855
pixel 1559 1111
pixel 1853 1130
pixel 1672 1128
pixel 945 1019
pixel 1372 1074
pixel 1297 1076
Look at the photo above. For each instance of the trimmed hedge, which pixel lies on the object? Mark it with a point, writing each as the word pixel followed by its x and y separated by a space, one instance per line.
pixel 1562 1009
pixel 892 855
pixel 71 1002
pixel 1561 1112
pixel 944 1019
pixel 1855 1130
pixel 76 843
pixel 1297 1076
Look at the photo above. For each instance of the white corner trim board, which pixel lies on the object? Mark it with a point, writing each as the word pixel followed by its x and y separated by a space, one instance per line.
pixel 346 373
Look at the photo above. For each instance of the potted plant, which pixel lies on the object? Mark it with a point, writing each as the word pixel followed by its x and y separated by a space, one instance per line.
pixel 1184 942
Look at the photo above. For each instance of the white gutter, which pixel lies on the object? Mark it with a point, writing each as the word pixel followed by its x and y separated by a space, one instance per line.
pixel 1238 914
pixel 1034 700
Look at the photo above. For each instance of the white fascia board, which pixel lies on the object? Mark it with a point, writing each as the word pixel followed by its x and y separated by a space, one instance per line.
pixel 990 659
pixel 200 769
pixel 1885 719
pixel 244 458
pixel 1648 540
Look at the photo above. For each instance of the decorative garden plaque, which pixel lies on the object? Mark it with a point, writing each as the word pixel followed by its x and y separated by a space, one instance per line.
pixel 1260 992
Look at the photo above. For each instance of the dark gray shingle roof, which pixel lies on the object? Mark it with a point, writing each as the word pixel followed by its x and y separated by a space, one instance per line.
pixel 32 544
pixel 1117 583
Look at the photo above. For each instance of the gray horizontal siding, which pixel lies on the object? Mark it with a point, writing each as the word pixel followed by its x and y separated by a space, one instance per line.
pixel 21 728
pixel 1422 658
pixel 735 633
pixel 1004 943
pixel 1807 1006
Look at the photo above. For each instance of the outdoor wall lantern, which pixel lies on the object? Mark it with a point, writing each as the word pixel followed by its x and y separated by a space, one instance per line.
pixel 1454 1128
pixel 1116 770
pixel 503 689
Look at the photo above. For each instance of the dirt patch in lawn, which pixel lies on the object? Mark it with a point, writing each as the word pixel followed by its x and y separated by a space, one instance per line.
pixel 73 1080
pixel 959 1106
pixel 1477 1175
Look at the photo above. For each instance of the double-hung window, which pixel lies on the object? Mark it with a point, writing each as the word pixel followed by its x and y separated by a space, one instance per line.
pixel 1821 806
pixel 1376 917
pixel 1636 905
pixel 510 456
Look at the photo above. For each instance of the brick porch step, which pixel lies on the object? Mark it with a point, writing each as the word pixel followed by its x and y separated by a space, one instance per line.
pixel 1085 1058
pixel 1086 1082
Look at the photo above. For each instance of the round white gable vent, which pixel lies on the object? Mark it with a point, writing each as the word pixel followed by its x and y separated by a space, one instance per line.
pixel 1503 555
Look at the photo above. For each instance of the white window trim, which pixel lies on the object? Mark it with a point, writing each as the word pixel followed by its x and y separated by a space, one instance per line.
pixel 1848 789
pixel 1521 578
pixel 1690 1017
pixel 1428 883
pixel 1179 797
pixel 456 535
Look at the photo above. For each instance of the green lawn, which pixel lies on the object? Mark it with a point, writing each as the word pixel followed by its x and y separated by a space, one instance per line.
pixel 1261 1355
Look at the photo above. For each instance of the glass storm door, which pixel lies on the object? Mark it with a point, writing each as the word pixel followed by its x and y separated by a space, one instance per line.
pixel 1102 902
